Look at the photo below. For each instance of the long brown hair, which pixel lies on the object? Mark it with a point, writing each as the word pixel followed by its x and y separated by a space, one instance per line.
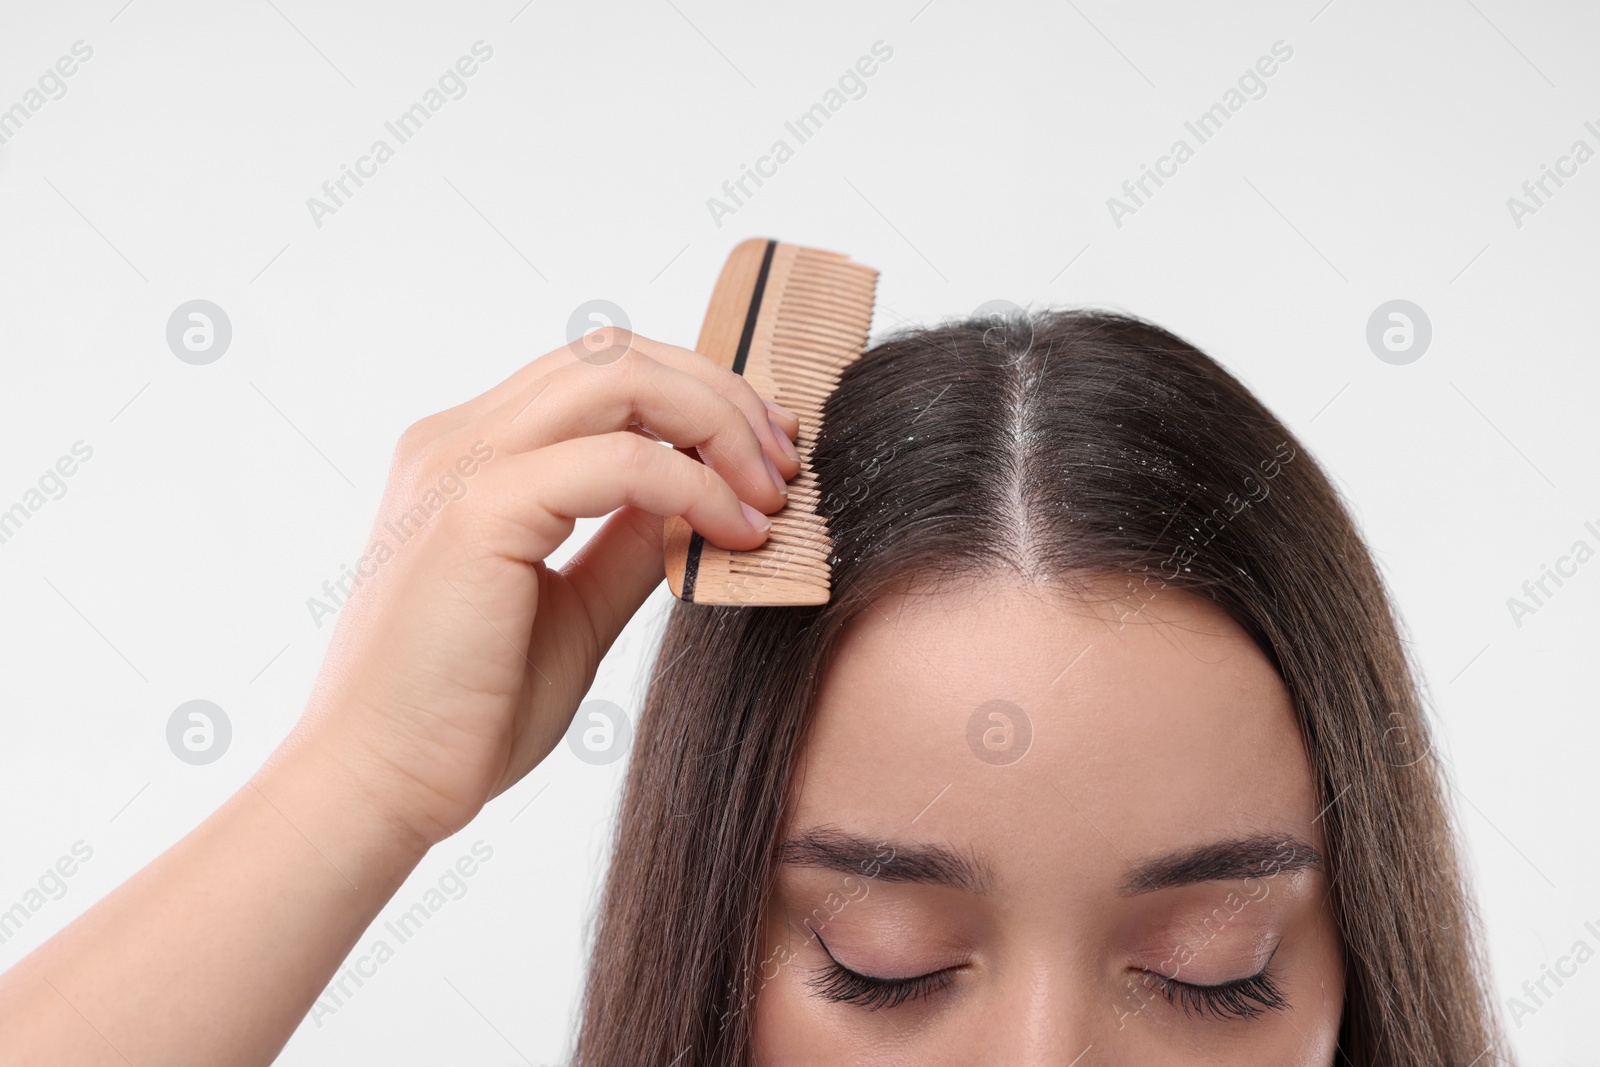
pixel 1063 443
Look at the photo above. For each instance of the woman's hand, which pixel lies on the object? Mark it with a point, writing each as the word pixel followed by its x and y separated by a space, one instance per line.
pixel 456 666
pixel 460 657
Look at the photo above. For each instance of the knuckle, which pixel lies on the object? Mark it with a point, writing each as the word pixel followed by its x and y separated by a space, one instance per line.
pixel 745 390
pixel 615 342
pixel 435 455
pixel 747 412
pixel 416 436
pixel 426 455
pixel 631 364
pixel 633 454
pixel 729 385
pixel 732 424
pixel 705 481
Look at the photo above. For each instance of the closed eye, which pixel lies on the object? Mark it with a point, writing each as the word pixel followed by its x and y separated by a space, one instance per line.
pixel 836 982
pixel 1241 998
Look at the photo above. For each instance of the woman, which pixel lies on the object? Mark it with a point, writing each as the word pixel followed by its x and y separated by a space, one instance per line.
pixel 1104 751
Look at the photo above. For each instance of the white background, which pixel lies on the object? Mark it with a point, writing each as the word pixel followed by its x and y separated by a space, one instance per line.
pixel 976 166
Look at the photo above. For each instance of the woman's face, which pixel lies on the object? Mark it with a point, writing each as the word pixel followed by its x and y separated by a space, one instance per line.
pixel 1051 831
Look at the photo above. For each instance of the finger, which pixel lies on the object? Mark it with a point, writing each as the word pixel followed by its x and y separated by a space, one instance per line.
pixel 617 569
pixel 581 399
pixel 602 348
pixel 776 435
pixel 537 497
pixel 785 420
pixel 777 439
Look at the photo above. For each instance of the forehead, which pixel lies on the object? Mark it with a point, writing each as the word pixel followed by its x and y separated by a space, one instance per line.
pixel 1034 724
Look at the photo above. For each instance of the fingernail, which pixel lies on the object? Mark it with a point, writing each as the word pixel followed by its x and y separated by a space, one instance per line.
pixel 784 442
pixel 776 477
pixel 773 472
pixel 777 408
pixel 758 522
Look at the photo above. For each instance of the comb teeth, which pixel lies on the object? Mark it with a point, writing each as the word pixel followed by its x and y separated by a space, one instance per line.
pixel 805 316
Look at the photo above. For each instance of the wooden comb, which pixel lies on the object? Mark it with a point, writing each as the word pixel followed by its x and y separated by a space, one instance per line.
pixel 789 319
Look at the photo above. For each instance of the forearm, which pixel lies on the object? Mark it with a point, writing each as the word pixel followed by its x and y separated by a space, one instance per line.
pixel 214 952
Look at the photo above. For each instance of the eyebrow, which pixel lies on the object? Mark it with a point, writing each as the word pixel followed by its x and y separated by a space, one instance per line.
pixel 1258 856
pixel 897 861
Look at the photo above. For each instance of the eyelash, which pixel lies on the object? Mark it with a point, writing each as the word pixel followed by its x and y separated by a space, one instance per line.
pixel 840 984
pixel 1242 998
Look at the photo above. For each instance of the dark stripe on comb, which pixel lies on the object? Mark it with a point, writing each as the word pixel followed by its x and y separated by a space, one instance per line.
pixel 691 567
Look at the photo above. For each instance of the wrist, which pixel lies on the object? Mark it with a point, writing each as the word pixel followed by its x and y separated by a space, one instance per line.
pixel 345 805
